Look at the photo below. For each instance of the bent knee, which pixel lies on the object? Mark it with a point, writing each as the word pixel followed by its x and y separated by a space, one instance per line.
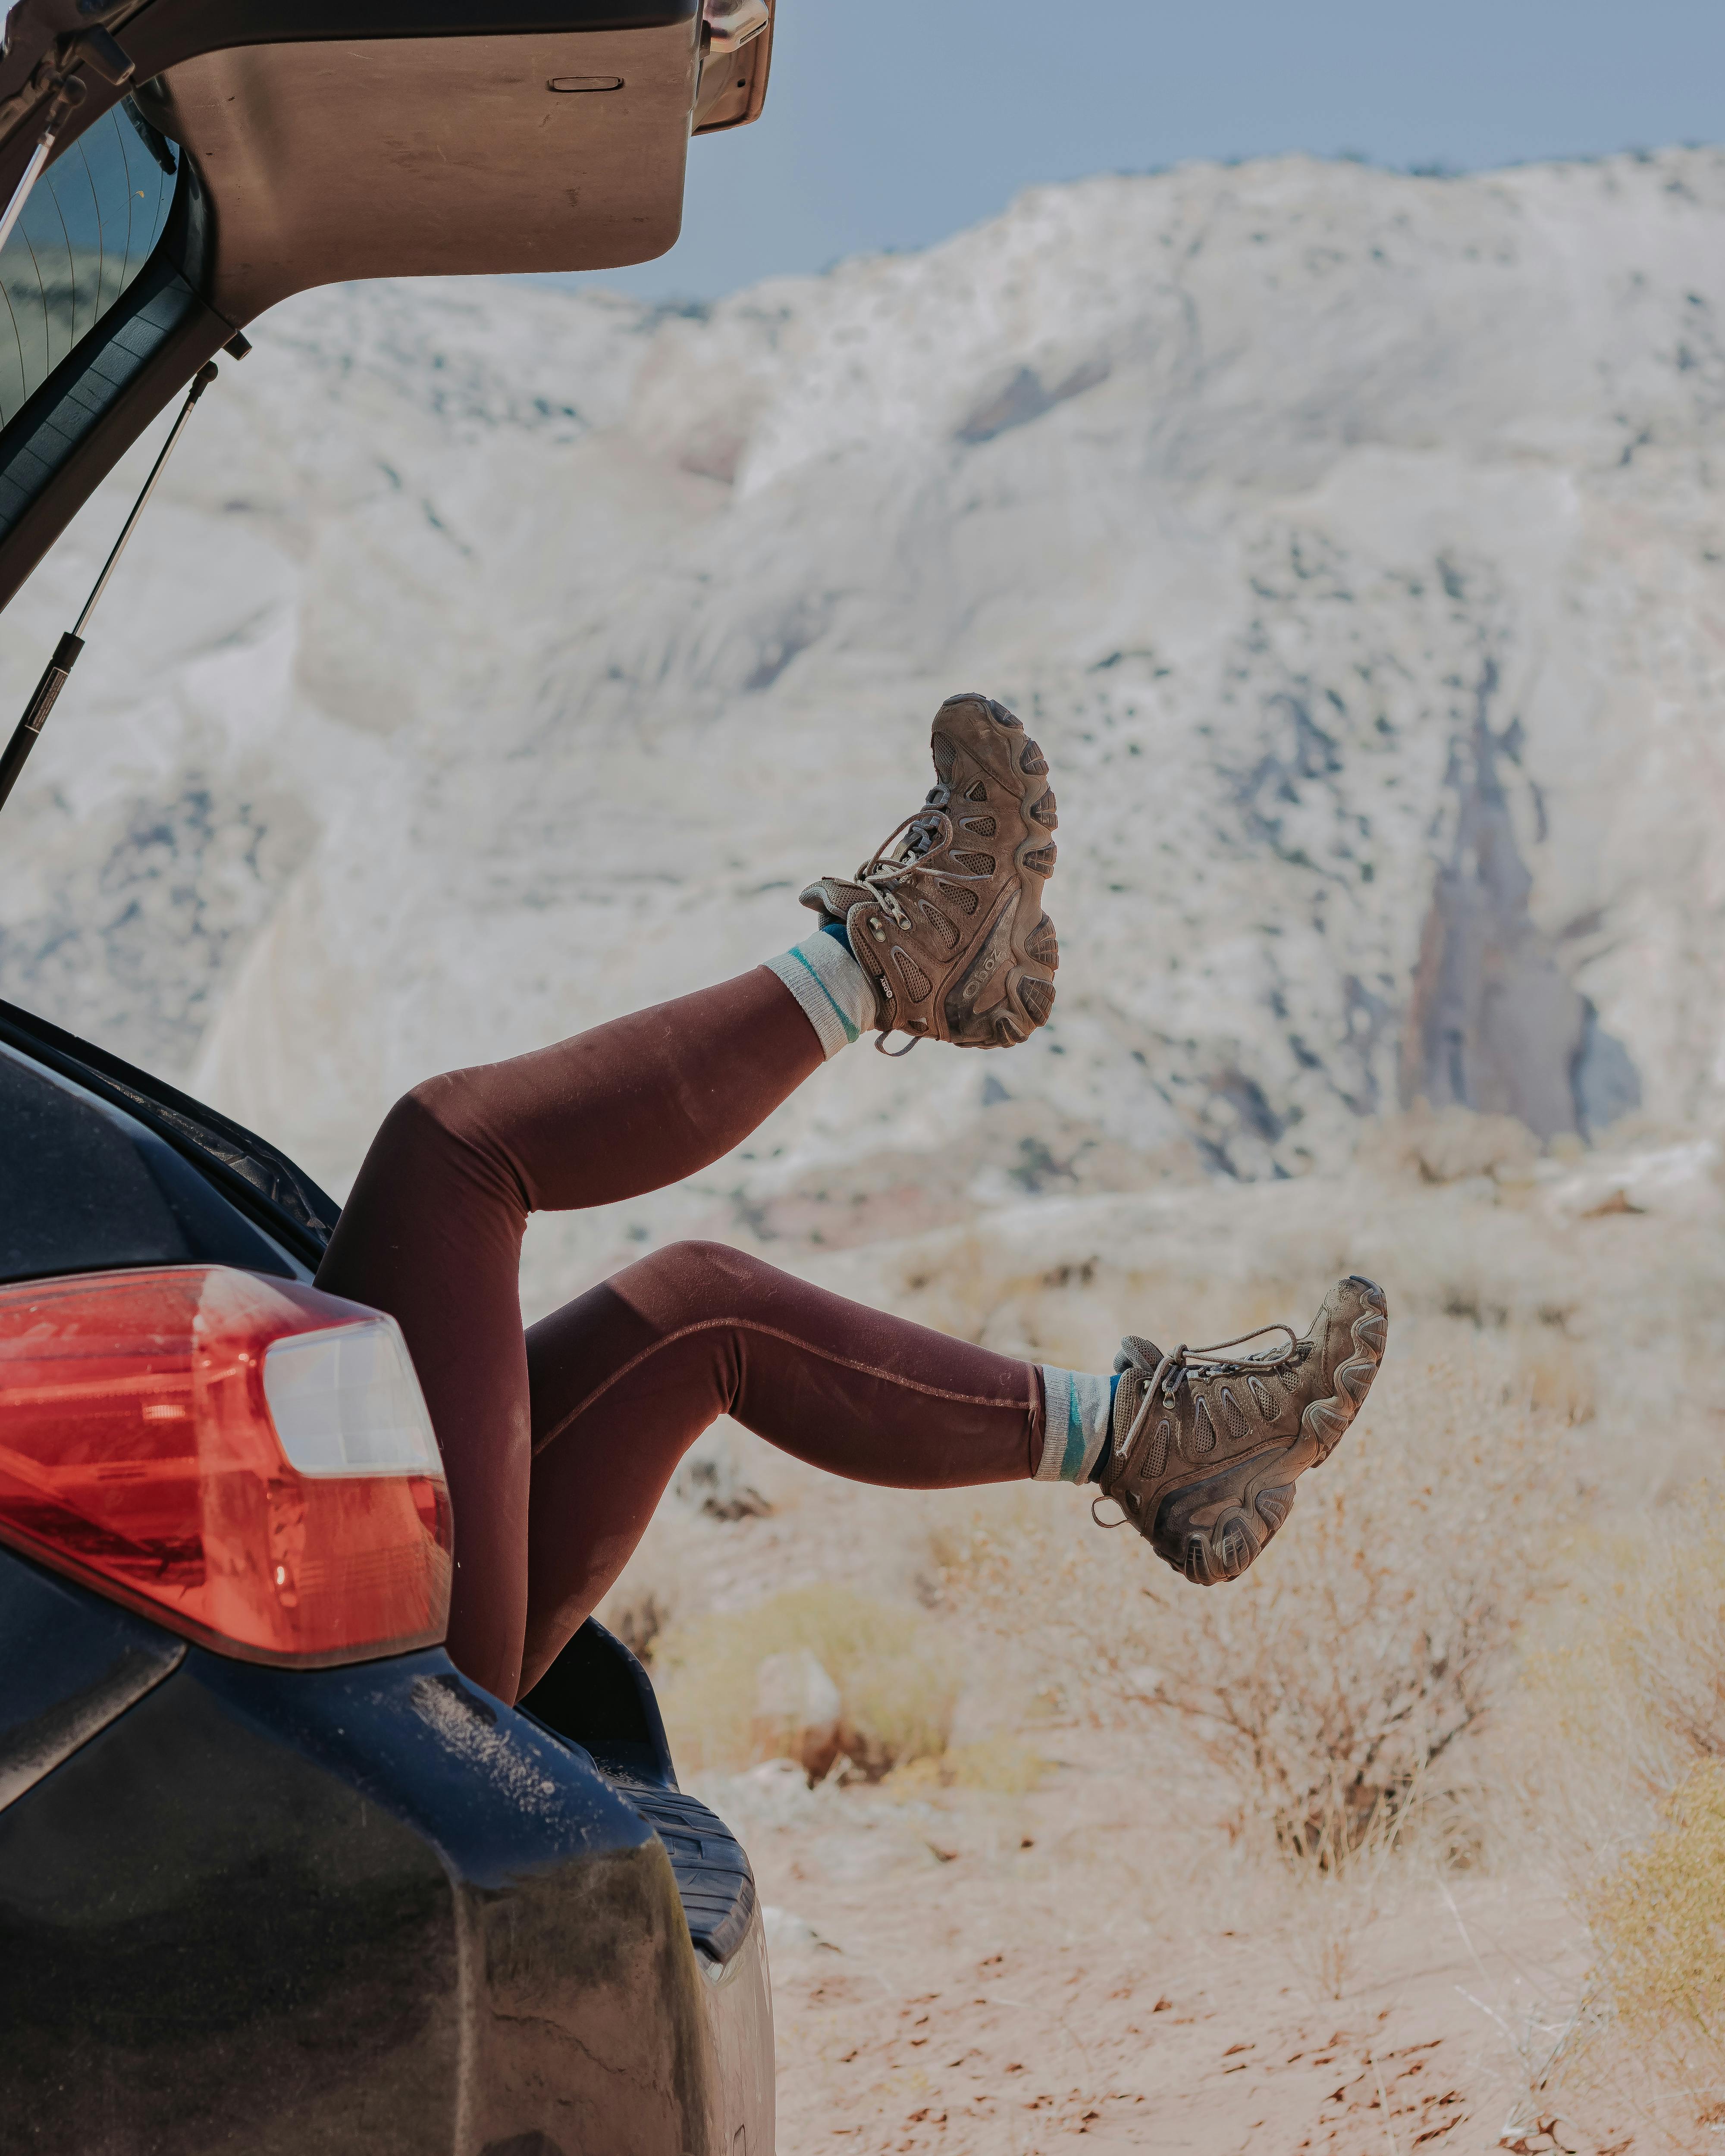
pixel 439 1125
pixel 697 1263
pixel 450 1103
pixel 695 1253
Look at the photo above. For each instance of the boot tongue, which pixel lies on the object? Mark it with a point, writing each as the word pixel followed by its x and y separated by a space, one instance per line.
pixel 833 897
pixel 1137 1353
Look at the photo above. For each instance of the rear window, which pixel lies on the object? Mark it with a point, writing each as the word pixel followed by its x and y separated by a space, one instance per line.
pixel 86 232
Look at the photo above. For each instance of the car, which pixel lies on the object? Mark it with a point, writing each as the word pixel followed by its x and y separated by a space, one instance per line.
pixel 275 1875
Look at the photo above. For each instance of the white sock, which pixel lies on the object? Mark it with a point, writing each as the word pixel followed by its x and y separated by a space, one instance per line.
pixel 1076 1427
pixel 836 995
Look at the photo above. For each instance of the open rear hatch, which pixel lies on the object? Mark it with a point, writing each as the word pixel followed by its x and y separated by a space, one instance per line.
pixel 209 157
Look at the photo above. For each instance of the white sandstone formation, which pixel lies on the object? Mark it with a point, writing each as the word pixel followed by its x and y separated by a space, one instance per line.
pixel 499 659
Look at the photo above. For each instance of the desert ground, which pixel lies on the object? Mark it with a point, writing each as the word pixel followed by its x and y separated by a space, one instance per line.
pixel 984 1975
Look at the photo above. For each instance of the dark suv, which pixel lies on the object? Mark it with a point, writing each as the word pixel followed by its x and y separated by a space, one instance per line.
pixel 275 1877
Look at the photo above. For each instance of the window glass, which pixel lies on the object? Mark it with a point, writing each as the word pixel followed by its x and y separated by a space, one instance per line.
pixel 86 232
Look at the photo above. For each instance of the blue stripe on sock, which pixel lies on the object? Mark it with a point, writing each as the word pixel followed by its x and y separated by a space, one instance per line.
pixel 1073 1463
pixel 852 1033
pixel 839 932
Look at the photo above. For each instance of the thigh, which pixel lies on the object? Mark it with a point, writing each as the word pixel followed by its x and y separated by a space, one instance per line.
pixel 637 1103
pixel 433 1236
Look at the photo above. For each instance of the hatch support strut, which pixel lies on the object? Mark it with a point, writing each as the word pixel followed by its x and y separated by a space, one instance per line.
pixel 58 668
pixel 27 180
pixel 67 98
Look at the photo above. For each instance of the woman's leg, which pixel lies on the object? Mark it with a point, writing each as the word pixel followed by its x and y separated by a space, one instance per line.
pixel 625 1377
pixel 433 1232
pixel 610 1392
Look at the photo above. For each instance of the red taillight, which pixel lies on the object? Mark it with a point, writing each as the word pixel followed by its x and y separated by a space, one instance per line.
pixel 243 1458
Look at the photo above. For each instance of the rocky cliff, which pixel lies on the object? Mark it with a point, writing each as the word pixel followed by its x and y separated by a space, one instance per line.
pixel 497 658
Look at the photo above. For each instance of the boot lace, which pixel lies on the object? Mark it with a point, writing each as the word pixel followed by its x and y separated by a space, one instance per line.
pixel 920 833
pixel 1185 1362
pixel 915 838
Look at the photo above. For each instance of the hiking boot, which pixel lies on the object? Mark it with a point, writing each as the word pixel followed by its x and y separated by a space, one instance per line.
pixel 1206 1451
pixel 946 918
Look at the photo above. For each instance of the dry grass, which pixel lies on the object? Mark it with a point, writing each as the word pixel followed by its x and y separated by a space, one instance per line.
pixel 1659 1921
pixel 1624 1735
pixel 898 1683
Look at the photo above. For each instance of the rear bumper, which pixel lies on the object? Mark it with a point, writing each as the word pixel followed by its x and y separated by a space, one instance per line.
pixel 366 1909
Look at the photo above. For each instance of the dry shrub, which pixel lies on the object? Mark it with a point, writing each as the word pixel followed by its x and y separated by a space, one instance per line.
pixel 897 1682
pixel 1443 1145
pixel 1370 1638
pixel 1347 1666
pixel 1658 1920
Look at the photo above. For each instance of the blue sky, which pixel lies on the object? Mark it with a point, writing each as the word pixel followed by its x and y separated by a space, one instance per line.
pixel 892 123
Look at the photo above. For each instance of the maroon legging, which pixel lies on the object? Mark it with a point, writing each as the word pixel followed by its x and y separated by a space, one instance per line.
pixel 559 1443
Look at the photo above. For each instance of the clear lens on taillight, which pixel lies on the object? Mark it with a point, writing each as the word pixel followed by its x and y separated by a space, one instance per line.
pixel 246 1460
pixel 346 1402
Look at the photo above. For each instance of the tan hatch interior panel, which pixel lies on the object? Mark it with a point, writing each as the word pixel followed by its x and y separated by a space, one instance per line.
pixel 330 141
pixel 422 157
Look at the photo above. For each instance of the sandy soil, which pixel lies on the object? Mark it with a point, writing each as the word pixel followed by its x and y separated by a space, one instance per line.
pixel 965 1972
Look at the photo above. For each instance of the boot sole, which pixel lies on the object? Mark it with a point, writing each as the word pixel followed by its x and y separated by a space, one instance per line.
pixel 1020 950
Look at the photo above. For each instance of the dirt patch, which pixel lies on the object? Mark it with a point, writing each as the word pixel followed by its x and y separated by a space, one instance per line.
pixel 959 1972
